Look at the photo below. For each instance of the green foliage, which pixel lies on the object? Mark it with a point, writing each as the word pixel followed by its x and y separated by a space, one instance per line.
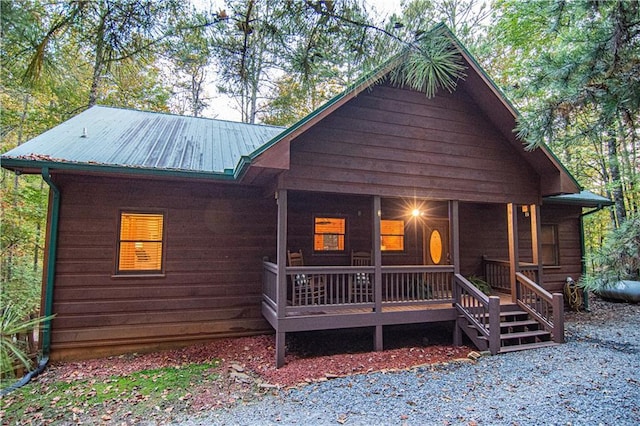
pixel 23 205
pixel 14 346
pixel 144 391
pixel 293 100
pixel 480 284
pixel 190 60
pixel 618 258
pixel 581 93
pixel 432 65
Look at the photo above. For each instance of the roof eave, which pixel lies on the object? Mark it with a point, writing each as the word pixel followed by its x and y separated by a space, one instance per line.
pixel 583 199
pixel 35 166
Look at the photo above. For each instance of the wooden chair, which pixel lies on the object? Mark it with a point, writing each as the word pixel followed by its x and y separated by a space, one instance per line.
pixel 307 289
pixel 361 290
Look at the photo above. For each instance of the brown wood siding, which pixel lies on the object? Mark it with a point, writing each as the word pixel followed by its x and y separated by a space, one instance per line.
pixel 570 247
pixel 483 232
pixel 215 238
pixel 396 142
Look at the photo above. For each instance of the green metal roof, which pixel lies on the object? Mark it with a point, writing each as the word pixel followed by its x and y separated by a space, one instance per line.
pixel 116 139
pixel 583 198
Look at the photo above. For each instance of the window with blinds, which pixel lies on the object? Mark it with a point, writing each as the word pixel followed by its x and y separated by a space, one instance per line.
pixel 140 242
pixel 329 233
pixel 392 235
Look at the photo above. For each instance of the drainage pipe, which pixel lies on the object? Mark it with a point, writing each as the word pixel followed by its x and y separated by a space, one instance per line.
pixel 48 295
pixel 51 261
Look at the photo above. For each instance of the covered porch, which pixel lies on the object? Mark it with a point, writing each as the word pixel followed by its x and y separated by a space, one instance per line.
pixel 424 274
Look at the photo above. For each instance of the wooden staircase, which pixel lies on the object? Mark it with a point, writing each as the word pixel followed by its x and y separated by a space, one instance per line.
pixel 535 320
pixel 520 331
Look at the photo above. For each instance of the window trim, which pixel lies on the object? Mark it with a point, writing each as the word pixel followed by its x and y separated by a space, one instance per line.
pixel 142 273
pixel 346 233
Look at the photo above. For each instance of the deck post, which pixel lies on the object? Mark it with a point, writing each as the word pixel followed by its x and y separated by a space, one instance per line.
pixel 457 332
pixel 280 346
pixel 281 290
pixel 454 230
pixel 454 238
pixel 558 317
pixel 377 339
pixel 377 276
pixel 514 261
pixel 459 322
pixel 536 242
pixel 494 324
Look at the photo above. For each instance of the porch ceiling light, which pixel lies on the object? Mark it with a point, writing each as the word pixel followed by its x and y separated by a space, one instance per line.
pixel 416 212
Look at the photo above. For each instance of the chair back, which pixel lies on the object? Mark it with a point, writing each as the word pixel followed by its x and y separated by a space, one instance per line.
pixel 295 258
pixel 360 258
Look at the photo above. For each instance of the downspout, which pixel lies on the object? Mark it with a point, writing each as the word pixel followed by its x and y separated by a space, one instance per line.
pixel 583 248
pixel 51 262
pixel 48 301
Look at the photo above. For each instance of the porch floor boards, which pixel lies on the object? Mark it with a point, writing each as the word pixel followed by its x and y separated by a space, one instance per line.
pixel 505 299
pixel 392 308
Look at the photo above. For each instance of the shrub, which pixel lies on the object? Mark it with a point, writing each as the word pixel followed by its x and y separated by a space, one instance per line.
pixel 14 346
pixel 618 258
pixel 480 284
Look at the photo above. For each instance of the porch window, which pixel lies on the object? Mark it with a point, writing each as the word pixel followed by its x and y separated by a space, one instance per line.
pixel 392 235
pixel 549 242
pixel 140 242
pixel 329 233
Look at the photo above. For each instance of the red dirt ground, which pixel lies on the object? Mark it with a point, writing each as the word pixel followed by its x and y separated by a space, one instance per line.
pixel 311 356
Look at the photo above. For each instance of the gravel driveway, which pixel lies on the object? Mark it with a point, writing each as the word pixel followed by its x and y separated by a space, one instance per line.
pixel 593 379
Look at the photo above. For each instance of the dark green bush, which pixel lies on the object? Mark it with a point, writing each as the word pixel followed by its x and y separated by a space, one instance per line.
pixel 618 258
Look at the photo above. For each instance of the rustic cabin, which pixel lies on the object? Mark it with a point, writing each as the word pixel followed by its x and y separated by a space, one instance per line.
pixel 382 207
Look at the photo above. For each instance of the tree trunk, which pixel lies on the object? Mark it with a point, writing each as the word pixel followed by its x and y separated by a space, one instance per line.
pixel 23 119
pixel 98 63
pixel 630 162
pixel 615 181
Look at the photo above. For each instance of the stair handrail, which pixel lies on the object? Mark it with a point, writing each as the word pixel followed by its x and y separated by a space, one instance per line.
pixel 546 308
pixel 482 311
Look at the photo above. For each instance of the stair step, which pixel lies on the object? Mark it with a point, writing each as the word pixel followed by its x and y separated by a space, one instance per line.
pixel 507 314
pixel 522 334
pixel 526 346
pixel 513 313
pixel 520 323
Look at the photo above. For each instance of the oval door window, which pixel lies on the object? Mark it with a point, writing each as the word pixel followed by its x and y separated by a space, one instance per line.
pixel 435 247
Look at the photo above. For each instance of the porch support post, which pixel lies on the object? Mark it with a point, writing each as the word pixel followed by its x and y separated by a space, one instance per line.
pixel 377 277
pixel 281 290
pixel 536 242
pixel 454 238
pixel 454 226
pixel 514 261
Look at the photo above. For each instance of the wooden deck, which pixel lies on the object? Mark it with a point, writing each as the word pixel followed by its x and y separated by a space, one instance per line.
pixel 324 298
pixel 345 316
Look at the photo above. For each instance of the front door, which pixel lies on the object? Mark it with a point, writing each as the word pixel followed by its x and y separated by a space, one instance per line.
pixel 435 242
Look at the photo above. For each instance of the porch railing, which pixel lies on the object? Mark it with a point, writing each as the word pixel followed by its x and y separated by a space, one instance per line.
pixel 416 284
pixel 480 311
pixel 318 288
pixel 270 284
pixel 497 272
pixel 547 308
